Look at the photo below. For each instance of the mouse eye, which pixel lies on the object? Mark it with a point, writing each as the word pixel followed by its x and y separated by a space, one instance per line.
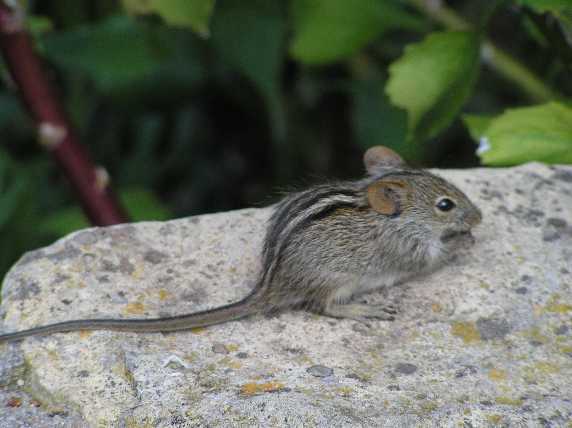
pixel 445 204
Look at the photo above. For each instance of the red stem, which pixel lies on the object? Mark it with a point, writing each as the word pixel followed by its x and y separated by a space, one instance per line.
pixel 54 129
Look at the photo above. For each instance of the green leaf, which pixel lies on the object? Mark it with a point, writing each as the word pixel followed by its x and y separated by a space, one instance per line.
pixel 540 133
pixel 193 14
pixel 114 53
pixel 328 30
pixel 477 124
pixel 375 120
pixel 432 81
pixel 250 36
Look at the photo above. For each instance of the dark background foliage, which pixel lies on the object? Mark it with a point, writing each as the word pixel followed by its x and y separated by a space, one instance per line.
pixel 195 106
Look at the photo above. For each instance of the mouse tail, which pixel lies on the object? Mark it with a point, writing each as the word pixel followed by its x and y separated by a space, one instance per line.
pixel 234 311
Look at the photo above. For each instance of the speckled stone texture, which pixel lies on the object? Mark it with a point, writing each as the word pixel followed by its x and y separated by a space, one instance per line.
pixel 485 341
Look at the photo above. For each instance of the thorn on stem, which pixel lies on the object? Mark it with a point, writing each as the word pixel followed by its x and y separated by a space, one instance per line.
pixel 102 179
pixel 50 135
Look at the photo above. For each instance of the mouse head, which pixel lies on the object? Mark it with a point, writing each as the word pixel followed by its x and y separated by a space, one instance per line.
pixel 418 198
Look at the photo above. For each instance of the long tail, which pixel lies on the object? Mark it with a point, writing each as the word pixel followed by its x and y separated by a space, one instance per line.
pixel 234 311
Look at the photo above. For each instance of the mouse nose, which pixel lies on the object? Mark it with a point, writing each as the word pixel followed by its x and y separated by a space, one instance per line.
pixel 473 217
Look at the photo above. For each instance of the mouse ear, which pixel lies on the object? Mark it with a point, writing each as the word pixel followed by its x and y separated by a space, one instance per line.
pixel 380 156
pixel 385 196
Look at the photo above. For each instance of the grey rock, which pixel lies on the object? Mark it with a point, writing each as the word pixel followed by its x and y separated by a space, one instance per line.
pixel 564 174
pixel 550 233
pixel 320 371
pixel 12 366
pixel 480 342
pixel 219 348
pixel 466 371
pixel 406 368
pixel 490 328
pixel 557 223
pixel 19 409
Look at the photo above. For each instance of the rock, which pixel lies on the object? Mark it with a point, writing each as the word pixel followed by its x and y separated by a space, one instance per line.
pixel 320 371
pixel 490 328
pixel 482 341
pixel 405 368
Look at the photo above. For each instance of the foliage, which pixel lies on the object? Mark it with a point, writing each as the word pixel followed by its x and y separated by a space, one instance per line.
pixel 432 81
pixel 541 133
pixel 204 105
pixel 329 30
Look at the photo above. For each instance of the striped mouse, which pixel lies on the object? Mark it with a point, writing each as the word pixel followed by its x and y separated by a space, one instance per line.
pixel 333 241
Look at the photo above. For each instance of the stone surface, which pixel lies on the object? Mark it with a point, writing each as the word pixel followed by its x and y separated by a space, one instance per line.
pixel 486 340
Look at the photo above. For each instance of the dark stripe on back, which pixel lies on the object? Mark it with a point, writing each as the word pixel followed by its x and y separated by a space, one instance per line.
pixel 292 206
pixel 277 253
pixel 304 200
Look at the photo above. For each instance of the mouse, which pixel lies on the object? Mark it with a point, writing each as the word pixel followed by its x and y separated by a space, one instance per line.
pixel 334 241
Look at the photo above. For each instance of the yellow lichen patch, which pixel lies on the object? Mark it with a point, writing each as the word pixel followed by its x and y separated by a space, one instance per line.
pixel 555 306
pixel 137 272
pixel 466 331
pixel 233 347
pixel 494 419
pixel 135 308
pixel 230 363
pixel 507 401
pixel 437 308
pixel 253 388
pixel 53 356
pixel 546 367
pixel 566 349
pixel 198 330
pixel 538 371
pixel 560 308
pixel 164 295
pixel 505 389
pixel 130 422
pixel 344 391
pixel 122 371
pixel 497 375
pixel 84 334
pixel 429 406
pixel 190 357
pixel 303 360
pixel 537 336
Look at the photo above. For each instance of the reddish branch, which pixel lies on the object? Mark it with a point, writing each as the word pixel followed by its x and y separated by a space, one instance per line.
pixel 55 132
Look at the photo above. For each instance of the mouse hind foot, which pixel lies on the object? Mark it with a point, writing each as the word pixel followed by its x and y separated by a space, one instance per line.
pixel 360 311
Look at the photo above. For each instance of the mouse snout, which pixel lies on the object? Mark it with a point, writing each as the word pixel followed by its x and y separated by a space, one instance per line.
pixel 473 217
